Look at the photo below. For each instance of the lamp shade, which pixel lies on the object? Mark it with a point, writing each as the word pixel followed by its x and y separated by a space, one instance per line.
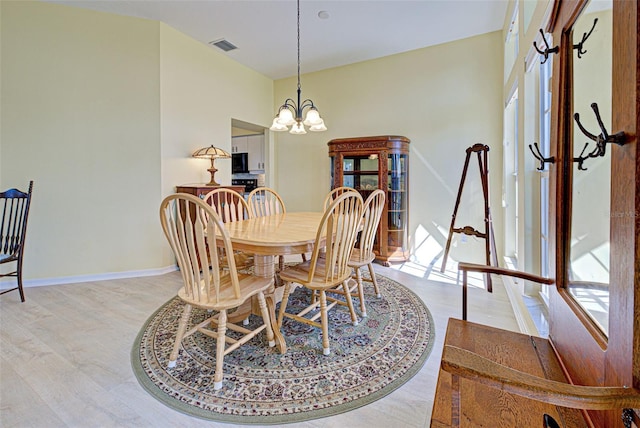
pixel 211 153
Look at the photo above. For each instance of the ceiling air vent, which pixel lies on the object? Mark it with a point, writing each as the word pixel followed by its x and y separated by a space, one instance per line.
pixel 224 45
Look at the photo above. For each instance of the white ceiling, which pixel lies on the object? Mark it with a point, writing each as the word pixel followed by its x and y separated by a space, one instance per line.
pixel 357 30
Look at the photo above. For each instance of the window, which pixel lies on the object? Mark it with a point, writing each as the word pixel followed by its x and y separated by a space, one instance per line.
pixel 545 145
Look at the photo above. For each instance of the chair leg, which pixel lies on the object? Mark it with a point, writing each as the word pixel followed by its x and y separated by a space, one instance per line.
pixel 363 309
pixel 276 275
pixel 373 279
pixel 352 311
pixel 325 323
pixel 266 319
pixel 220 343
pixel 19 274
pixel 182 327
pixel 283 303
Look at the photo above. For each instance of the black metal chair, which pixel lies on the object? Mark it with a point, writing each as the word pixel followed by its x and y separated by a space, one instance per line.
pixel 14 206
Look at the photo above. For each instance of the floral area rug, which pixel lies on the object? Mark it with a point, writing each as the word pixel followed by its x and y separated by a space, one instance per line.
pixel 262 386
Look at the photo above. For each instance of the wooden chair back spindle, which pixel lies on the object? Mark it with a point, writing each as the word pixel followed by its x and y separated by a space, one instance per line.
pixel 228 204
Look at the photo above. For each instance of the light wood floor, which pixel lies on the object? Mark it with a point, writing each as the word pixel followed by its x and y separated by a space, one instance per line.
pixel 64 355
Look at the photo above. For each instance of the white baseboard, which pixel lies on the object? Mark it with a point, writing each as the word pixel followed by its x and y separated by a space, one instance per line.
pixel 523 317
pixel 5 285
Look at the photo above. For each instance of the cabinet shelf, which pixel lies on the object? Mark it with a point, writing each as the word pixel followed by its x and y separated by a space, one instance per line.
pixel 369 163
pixel 360 172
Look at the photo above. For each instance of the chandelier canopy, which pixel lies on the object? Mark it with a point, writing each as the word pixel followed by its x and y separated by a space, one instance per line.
pixel 290 113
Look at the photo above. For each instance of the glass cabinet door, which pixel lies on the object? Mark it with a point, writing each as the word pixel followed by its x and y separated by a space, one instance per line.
pixel 361 173
pixel 397 199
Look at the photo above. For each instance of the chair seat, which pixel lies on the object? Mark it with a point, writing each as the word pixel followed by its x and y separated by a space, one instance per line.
pixel 250 285
pixel 361 258
pixel 243 260
pixel 7 258
pixel 300 274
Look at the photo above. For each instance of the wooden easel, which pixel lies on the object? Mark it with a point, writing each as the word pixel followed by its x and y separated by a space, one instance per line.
pixel 490 245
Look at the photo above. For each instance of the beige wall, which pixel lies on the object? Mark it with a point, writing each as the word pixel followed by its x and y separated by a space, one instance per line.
pixel 80 116
pixel 103 112
pixel 443 98
pixel 202 91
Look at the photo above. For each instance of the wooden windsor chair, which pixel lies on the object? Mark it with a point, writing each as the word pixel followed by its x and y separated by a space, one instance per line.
pixel 231 206
pixel 363 254
pixel 264 201
pixel 14 206
pixel 333 194
pixel 189 224
pixel 336 233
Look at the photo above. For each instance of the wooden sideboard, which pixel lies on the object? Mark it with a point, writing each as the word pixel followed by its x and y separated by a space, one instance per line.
pixel 200 190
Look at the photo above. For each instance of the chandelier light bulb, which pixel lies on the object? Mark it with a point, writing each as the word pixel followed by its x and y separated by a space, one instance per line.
pixel 319 127
pixel 285 117
pixel 313 117
pixel 298 129
pixel 277 126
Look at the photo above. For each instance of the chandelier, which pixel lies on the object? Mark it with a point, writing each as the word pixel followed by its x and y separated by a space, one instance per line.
pixel 290 113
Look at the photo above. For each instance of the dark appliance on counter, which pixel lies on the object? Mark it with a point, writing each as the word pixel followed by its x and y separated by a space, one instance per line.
pixel 239 163
pixel 248 183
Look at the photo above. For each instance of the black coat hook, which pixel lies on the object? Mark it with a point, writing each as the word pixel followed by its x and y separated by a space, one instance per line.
pixel 547 50
pixel 585 36
pixel 538 155
pixel 600 140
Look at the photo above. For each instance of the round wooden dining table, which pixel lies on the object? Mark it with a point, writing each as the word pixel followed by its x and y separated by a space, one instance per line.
pixel 268 237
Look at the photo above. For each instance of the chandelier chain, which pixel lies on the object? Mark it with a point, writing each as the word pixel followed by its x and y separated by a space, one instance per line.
pixel 298 44
pixel 291 112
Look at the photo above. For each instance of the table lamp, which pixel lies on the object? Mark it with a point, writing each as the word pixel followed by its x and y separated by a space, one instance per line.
pixel 211 153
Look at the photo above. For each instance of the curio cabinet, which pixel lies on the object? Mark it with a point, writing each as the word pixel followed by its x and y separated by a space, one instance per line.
pixel 381 162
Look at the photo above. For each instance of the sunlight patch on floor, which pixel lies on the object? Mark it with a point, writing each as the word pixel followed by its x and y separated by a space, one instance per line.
pixel 426 262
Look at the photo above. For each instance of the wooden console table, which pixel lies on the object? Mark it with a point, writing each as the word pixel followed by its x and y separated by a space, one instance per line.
pixel 200 190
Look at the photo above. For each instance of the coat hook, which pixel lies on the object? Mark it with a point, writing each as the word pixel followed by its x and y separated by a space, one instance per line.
pixel 538 155
pixel 585 36
pixel 600 140
pixel 627 417
pixel 547 50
